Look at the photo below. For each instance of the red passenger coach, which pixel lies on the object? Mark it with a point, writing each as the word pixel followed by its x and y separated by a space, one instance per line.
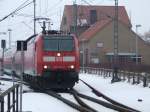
pixel 51 60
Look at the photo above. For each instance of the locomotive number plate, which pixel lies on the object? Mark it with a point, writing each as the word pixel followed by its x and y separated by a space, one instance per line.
pixel 58 58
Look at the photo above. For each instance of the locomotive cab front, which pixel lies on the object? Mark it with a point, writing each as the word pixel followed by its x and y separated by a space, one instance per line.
pixel 58 60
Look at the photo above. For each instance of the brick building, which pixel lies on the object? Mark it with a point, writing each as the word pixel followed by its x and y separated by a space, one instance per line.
pixel 95 32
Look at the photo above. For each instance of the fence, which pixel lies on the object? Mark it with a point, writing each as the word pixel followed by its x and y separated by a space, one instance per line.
pixel 131 77
pixel 9 99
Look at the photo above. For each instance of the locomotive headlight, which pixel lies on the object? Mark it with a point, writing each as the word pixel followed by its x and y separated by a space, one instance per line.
pixel 58 54
pixel 72 66
pixel 45 67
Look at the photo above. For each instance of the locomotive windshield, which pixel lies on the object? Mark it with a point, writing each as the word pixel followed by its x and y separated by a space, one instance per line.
pixel 58 44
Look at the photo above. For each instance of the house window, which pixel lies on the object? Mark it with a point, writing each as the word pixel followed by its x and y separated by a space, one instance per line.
pixel 99 44
pixel 94 59
pixel 93 16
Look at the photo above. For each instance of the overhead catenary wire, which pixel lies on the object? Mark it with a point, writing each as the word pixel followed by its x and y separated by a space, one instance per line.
pixel 23 5
pixel 40 7
pixel 24 15
pixel 46 6
pixel 27 15
pixel 47 11
pixel 86 2
pixel 27 26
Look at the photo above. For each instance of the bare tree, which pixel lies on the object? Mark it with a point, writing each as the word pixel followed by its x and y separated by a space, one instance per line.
pixel 147 36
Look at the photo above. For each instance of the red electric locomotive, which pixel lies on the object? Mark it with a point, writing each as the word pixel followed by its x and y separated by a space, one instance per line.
pixel 51 59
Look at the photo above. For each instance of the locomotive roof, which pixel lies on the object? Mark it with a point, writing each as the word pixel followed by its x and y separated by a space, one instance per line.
pixel 28 39
pixel 59 36
pixel 52 34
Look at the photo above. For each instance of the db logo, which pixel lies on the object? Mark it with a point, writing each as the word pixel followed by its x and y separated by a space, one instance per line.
pixel 58 58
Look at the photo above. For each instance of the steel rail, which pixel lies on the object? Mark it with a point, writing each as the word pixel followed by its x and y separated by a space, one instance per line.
pixel 98 93
pixel 76 96
pixel 68 102
pixel 103 103
pixel 59 97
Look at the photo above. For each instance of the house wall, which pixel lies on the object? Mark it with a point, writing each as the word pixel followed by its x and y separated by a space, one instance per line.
pixel 126 43
pixel 143 49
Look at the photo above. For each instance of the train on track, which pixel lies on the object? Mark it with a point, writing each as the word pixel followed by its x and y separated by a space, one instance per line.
pixel 51 60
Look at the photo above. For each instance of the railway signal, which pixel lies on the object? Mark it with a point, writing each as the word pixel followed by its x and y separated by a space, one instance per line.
pixel 21 46
pixel 3 46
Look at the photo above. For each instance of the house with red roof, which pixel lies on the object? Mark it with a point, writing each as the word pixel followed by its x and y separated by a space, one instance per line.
pixel 95 30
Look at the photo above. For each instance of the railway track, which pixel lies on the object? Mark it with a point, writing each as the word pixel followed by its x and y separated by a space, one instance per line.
pixel 116 104
pixel 83 107
pixel 103 103
pixel 53 94
pixel 70 103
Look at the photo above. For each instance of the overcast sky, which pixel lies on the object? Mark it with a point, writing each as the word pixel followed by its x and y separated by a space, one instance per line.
pixel 22 27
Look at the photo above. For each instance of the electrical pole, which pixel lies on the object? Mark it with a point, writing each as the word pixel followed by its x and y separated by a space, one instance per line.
pixel 136 44
pixel 83 55
pixel 9 30
pixel 115 57
pixel 75 9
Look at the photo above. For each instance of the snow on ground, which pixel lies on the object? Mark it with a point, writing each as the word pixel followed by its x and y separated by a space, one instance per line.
pixel 39 102
pixel 123 92
pixel 5 85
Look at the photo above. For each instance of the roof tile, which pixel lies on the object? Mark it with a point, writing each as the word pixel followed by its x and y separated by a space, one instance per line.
pixel 103 12
pixel 93 29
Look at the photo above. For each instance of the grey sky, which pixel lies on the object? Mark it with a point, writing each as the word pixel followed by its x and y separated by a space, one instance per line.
pixel 22 27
